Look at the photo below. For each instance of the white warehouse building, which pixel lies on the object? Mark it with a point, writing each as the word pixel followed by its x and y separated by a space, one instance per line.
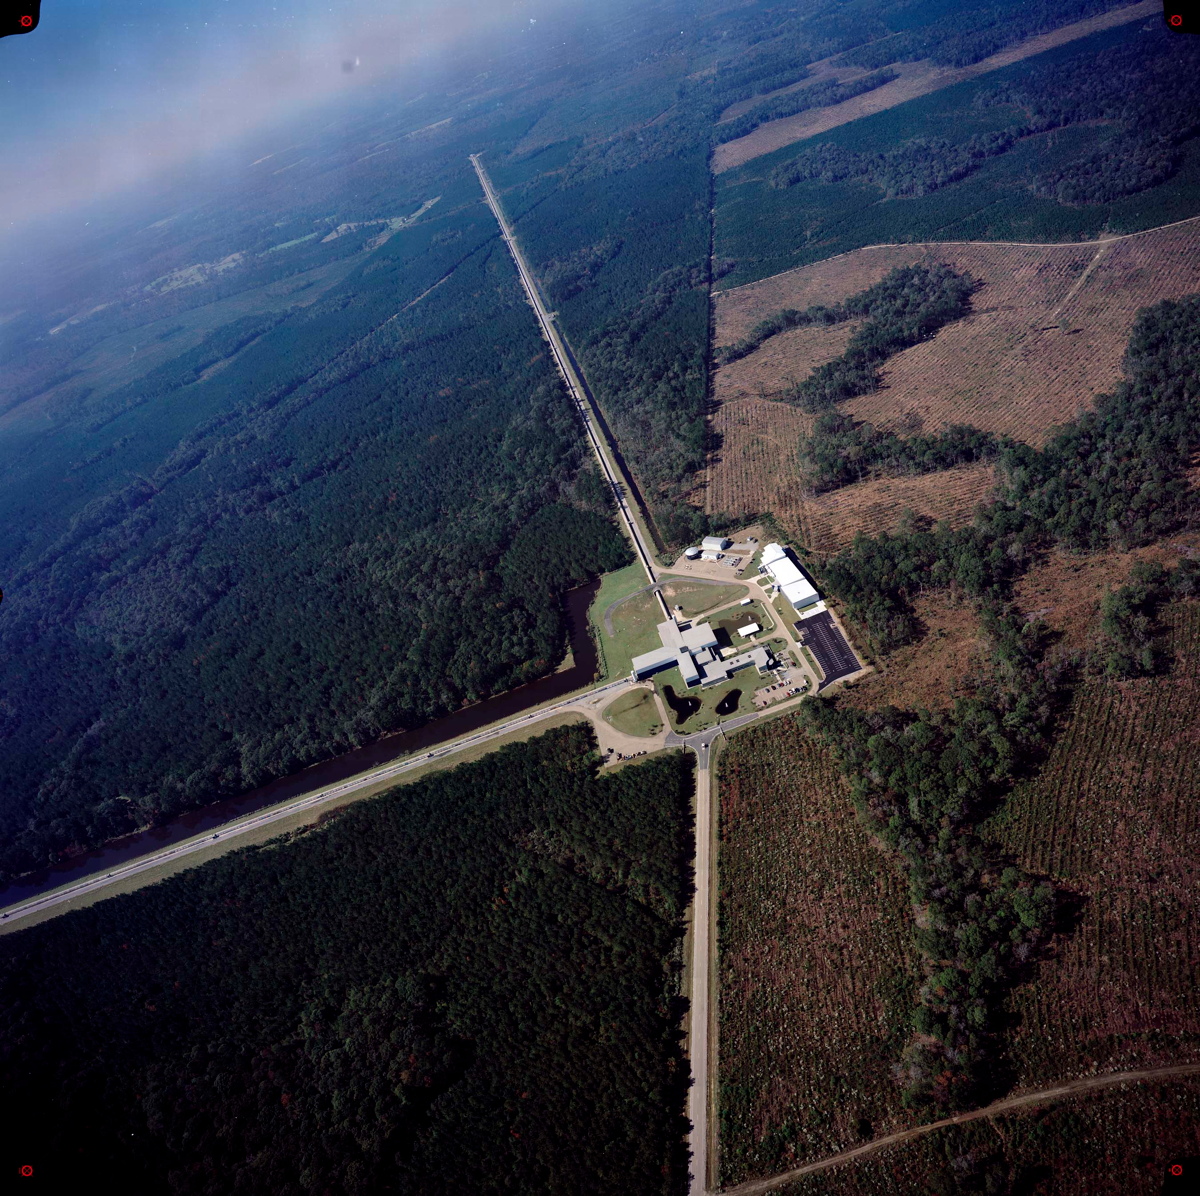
pixel 715 543
pixel 785 573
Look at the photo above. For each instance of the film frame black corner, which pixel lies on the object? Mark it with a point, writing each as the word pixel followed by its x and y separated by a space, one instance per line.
pixel 19 16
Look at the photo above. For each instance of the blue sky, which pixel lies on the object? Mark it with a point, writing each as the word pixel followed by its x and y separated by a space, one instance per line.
pixel 106 93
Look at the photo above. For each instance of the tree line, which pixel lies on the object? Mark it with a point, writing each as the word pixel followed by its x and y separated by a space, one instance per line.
pixel 1114 478
pixel 924 780
pixel 470 983
pixel 817 95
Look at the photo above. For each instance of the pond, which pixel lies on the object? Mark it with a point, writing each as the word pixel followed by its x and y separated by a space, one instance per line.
pixel 683 708
pixel 729 703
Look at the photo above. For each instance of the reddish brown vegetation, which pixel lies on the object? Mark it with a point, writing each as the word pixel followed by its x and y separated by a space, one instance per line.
pixel 1064 589
pixel 829 522
pixel 1114 819
pixel 928 672
pixel 1047 334
pixel 814 987
pixel 781 362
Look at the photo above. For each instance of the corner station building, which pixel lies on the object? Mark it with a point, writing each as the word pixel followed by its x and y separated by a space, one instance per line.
pixel 696 652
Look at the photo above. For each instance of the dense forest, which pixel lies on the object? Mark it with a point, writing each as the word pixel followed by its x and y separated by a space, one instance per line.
pixel 838 451
pixel 917 166
pixel 1095 136
pixel 467 984
pixel 1147 92
pixel 924 780
pixel 292 578
pixel 818 95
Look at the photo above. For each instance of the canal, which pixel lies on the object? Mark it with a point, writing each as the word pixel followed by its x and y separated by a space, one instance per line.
pixel 582 672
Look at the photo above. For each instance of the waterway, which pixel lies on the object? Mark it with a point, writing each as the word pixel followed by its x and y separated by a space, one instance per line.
pixel 583 670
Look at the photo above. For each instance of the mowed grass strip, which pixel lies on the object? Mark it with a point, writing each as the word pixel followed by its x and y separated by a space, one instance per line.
pixel 696 597
pixel 630 620
pixel 816 979
pixel 1114 820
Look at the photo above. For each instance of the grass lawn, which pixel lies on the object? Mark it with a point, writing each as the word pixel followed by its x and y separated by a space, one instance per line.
pixel 695 596
pixel 635 713
pixel 635 624
pixel 746 681
pixel 614 656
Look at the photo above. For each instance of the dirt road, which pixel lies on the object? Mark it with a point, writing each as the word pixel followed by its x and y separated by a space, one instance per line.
pixel 1026 1100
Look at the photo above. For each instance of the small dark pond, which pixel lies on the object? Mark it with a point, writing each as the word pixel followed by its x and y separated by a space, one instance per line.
pixel 684 708
pixel 729 703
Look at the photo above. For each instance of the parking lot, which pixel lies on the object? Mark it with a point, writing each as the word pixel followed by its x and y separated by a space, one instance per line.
pixel 824 639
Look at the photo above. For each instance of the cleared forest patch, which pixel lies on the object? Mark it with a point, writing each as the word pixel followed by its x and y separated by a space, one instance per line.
pixel 1047 332
pixel 829 522
pixel 759 452
pixel 1113 818
pixel 782 361
pixel 916 79
pixel 738 310
pixel 924 673
pixel 1064 589
pixel 815 976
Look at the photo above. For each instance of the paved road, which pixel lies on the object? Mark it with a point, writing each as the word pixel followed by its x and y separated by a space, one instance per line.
pixel 343 789
pixel 1042 1096
pixel 585 403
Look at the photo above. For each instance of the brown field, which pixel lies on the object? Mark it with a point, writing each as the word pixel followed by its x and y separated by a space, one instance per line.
pixel 1064 589
pixel 925 673
pixel 1113 1143
pixel 829 522
pixel 916 79
pixel 736 311
pixel 758 453
pixel 1047 334
pixel 815 986
pixel 1114 819
pixel 782 361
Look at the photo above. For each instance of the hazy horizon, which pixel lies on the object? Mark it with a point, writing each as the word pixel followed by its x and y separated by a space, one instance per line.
pixel 96 108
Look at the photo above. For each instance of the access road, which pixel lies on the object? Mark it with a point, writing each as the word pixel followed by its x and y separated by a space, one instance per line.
pixel 585 402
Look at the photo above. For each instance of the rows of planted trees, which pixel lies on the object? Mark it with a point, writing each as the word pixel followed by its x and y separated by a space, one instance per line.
pixel 468 984
pixel 924 781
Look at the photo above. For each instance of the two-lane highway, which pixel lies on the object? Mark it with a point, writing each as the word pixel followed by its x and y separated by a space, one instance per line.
pixel 344 790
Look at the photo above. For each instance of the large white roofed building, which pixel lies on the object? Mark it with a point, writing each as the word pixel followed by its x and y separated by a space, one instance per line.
pixel 786 574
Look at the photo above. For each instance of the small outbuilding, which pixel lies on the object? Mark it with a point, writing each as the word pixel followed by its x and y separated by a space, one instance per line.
pixel 715 543
pixel 749 629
